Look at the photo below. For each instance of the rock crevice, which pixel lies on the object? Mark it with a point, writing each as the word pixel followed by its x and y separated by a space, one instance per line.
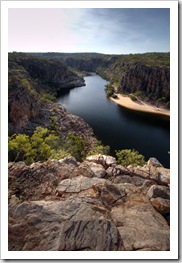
pixel 92 213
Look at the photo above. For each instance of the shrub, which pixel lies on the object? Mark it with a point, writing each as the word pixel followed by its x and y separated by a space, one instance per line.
pixel 28 86
pixel 168 104
pixel 133 97
pixel 109 90
pixel 18 147
pixel 75 146
pixel 114 96
pixel 46 96
pixel 138 93
pixel 99 148
pixel 41 146
pixel 129 157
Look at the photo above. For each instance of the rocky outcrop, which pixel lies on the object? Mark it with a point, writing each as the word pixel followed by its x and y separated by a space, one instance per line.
pixel 66 205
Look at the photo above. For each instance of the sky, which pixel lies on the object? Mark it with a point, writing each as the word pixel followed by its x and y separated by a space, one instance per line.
pixel 102 30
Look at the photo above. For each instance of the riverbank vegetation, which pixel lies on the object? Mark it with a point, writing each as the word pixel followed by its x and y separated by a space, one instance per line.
pixel 109 89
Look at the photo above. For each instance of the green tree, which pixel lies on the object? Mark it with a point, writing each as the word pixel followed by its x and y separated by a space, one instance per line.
pixel 99 148
pixel 18 147
pixel 133 97
pixel 40 150
pixel 60 154
pixel 109 90
pixel 75 146
pixel 129 157
pixel 41 146
pixel 44 144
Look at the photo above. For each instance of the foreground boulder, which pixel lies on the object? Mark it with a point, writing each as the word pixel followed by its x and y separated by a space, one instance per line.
pixel 56 206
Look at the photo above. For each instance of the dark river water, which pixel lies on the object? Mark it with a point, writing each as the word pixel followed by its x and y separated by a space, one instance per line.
pixel 117 126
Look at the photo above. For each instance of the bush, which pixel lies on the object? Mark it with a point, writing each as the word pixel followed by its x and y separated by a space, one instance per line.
pixel 18 147
pixel 133 97
pixel 75 146
pixel 28 86
pixel 46 96
pixel 99 148
pixel 168 104
pixel 138 93
pixel 41 146
pixel 109 90
pixel 129 157
pixel 114 96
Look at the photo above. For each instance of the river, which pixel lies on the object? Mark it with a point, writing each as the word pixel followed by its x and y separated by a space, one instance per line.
pixel 117 126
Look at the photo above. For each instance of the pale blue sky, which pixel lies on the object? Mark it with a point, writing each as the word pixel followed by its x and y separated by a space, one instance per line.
pixel 109 31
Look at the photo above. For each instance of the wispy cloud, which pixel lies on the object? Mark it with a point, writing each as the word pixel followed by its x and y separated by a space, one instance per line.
pixel 106 30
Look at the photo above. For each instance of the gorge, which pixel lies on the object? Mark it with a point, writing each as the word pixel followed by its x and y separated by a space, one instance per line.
pixel 61 197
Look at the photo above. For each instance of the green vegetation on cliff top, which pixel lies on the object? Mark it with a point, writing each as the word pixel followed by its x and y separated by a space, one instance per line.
pixel 158 59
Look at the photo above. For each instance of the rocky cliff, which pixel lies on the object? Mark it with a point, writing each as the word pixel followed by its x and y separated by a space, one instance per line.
pixel 95 205
pixel 89 64
pixel 31 83
pixel 52 73
pixel 144 75
pixel 142 78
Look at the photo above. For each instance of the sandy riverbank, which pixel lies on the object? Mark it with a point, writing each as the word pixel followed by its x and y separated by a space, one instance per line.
pixel 139 105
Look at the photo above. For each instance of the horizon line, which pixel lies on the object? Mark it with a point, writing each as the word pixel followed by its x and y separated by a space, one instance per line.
pixel 87 52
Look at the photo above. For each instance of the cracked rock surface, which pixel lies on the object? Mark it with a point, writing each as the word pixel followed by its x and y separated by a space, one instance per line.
pixel 55 206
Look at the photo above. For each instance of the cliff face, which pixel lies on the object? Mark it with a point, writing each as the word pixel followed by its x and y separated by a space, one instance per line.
pixel 45 71
pixel 154 82
pixel 23 100
pixel 30 79
pixel 89 64
pixel 95 205
pixel 145 74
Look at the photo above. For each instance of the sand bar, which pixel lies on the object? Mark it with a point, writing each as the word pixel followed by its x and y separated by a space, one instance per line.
pixel 139 105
